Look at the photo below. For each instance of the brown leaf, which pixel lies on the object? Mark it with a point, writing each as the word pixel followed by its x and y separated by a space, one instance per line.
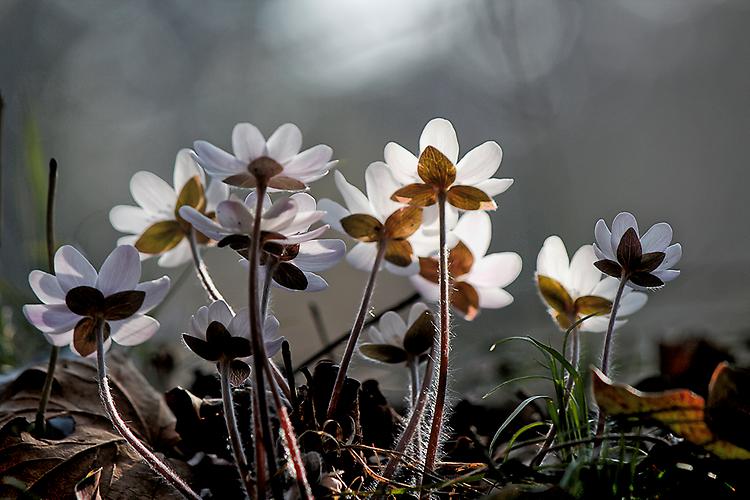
pixel 243 180
pixel 466 299
pixel 264 168
pixel 84 336
pixel 238 347
pixel 403 222
pixel 362 227
pixel 436 169
pixel 191 195
pixel 629 250
pixel 429 269
pixel 647 280
pixel 290 276
pixel 206 350
pixel 728 405
pixel 650 261
pixel 470 198
pixel 420 335
pixel 416 195
pixel 609 267
pixel 217 334
pixel 591 304
pixel 160 237
pixel 84 300
pixel 555 295
pixel 88 487
pixel 460 260
pixel 239 371
pixel 122 305
pixel 398 252
pixel 286 183
pixel 385 353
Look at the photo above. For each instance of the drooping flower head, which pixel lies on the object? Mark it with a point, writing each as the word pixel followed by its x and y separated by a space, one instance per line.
pixel 643 261
pixel 477 279
pixel 277 160
pixel 218 335
pixel 155 225
pixel 375 219
pixel 76 298
pixel 467 184
pixel 573 289
pixel 396 341
pixel 285 237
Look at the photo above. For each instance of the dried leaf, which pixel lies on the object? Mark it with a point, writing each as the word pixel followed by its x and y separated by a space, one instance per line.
pixel 160 237
pixel 421 335
pixel 728 405
pixel 122 305
pixel 88 487
pixel 362 227
pixel 403 222
pixel 466 299
pixel 416 195
pixel 470 198
pixel 436 169
pixel 385 353
pixel 554 294
pixel 398 252
pixel 592 304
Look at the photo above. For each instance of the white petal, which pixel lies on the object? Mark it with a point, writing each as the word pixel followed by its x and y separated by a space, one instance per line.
pixel 494 187
pixel 247 142
pixel 623 221
pixel 120 271
pixel 429 290
pixel 495 270
pixel 333 214
pixel 219 311
pixel 234 217
pixel 599 324
pixel 319 255
pixel 493 298
pixel 380 186
pixel 475 230
pixel 284 143
pixel 631 302
pixel 72 269
pixel 177 256
pixel 202 224
pixel 479 164
pixel 134 330
pixel 314 282
pixel 416 311
pixel 199 323
pixel 667 275
pixel 603 241
pixel 127 219
pixel 239 325
pixel 439 133
pixel 217 192
pixel 362 256
pixel 46 287
pixel 584 276
pixel 310 164
pixel 270 326
pixel 606 288
pixel 657 238
pixel 185 168
pixel 60 339
pixel 306 214
pixel 279 216
pixel 301 237
pixel 552 260
pixel 673 254
pixel 217 162
pixel 155 290
pixel 393 328
pixel 374 335
pixel 409 270
pixel 355 200
pixel 402 163
pixel 152 193
pixel 50 318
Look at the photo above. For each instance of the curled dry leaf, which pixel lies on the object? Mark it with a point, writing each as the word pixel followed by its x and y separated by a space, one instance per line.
pixel 50 468
pixel 681 411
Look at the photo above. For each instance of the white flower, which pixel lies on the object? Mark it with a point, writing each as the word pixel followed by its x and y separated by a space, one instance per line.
pixel 76 296
pixel 645 260
pixel 216 334
pixel 477 279
pixel 285 236
pixel 386 221
pixel 154 225
pixel 396 341
pixel 469 183
pixel 573 289
pixel 278 159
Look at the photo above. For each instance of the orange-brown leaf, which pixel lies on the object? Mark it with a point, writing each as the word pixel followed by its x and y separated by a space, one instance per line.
pixel 362 227
pixel 416 195
pixel 554 294
pixel 435 169
pixel 470 198
pixel 591 304
pixel 460 260
pixel 403 222
pixel 466 299
pixel 160 237
pixel 398 252
pixel 191 195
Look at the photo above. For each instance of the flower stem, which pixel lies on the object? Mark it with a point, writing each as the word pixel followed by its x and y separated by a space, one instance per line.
pixel 442 382
pixel 276 374
pixel 231 422
pixel 359 322
pixel 413 364
pixel 119 424
pixel 611 327
pixel 40 423
pixel 259 350
pixel 201 270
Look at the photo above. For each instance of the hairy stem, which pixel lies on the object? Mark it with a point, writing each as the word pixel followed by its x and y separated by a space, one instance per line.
pixel 201 270
pixel 413 364
pixel 119 424
pixel 277 376
pixel 231 422
pixel 359 322
pixel 40 423
pixel 442 383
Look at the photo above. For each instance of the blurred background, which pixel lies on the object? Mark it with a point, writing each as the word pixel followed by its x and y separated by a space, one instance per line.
pixel 599 106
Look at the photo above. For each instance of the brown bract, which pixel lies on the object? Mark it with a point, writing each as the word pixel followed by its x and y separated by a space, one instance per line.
pixel 222 347
pixel 439 174
pixel 567 310
pixel 269 171
pixel 632 264
pixel 399 226
pixel 460 261
pixel 164 235
pixel 90 303
pixel 418 339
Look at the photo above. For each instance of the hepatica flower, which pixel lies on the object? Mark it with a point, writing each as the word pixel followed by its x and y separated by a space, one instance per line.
pixel 573 289
pixel 285 237
pixel 217 335
pixel 467 184
pixel 155 225
pixel 375 219
pixel 477 279
pixel 396 341
pixel 278 160
pixel 76 297
pixel 643 261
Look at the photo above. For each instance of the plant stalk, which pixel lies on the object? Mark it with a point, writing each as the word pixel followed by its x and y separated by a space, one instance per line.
pixel 119 424
pixel 359 322
pixel 413 364
pixel 231 422
pixel 201 270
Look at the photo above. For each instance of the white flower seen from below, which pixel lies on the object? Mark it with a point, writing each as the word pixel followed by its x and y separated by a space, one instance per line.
pixel 394 340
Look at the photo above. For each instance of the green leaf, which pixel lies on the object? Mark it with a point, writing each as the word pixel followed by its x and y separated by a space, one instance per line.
pixel 526 402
